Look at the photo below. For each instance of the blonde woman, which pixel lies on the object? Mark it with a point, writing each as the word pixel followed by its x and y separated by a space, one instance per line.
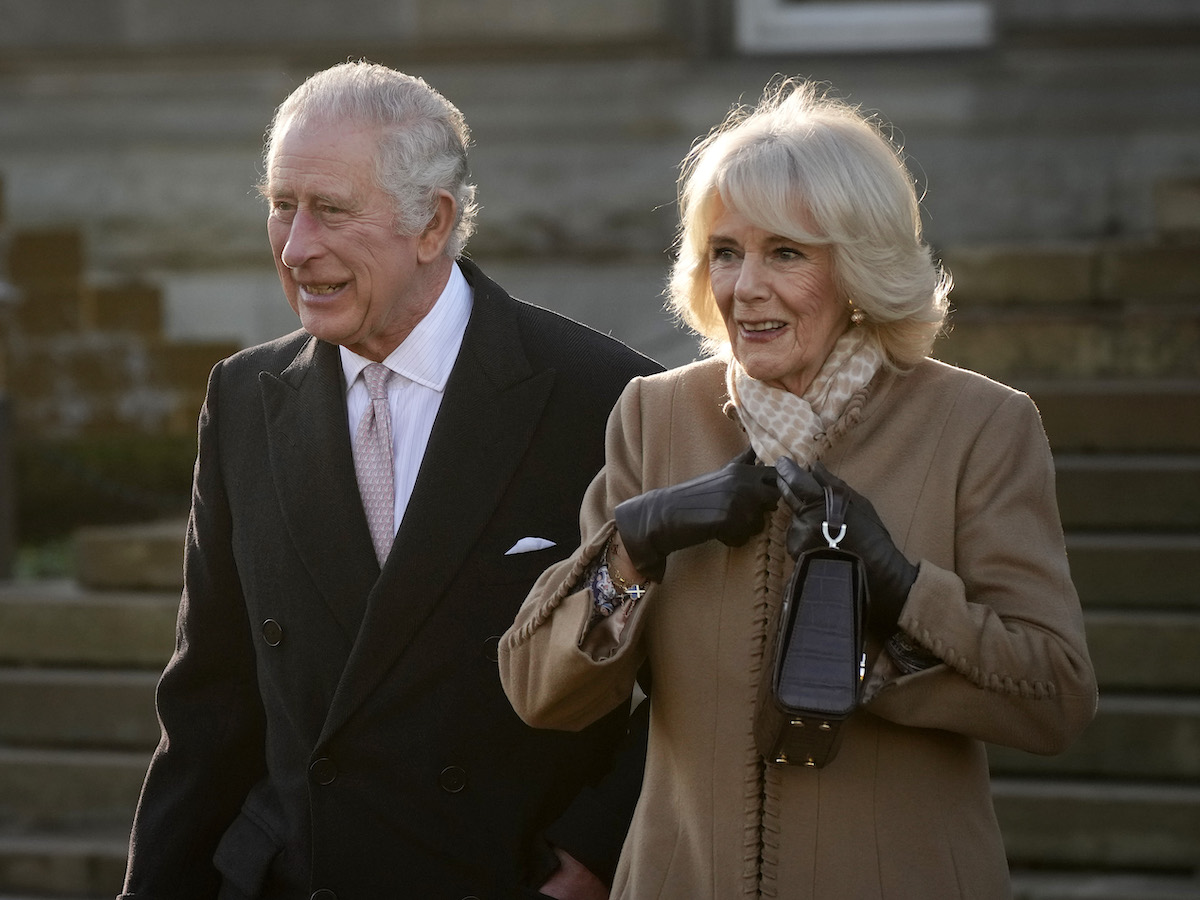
pixel 802 263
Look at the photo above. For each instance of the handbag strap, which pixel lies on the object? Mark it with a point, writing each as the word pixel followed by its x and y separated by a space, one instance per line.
pixel 835 516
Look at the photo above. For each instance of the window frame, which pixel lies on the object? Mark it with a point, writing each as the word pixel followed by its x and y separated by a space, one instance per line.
pixel 786 26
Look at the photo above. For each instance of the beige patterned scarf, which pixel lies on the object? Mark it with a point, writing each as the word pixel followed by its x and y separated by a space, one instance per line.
pixel 780 423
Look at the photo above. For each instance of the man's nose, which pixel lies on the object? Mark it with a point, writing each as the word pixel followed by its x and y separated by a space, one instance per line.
pixel 303 242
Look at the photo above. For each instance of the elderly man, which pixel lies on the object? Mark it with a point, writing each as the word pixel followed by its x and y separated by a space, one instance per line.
pixel 374 496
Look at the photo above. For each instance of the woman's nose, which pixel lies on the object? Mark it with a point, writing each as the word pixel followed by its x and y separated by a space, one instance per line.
pixel 303 241
pixel 750 283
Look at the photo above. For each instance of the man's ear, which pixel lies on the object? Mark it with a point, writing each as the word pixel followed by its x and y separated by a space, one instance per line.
pixel 432 241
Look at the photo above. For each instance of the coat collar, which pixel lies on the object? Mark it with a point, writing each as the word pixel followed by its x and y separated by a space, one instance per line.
pixel 493 404
pixel 313 467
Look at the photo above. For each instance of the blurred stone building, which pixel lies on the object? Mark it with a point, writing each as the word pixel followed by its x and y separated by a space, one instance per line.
pixel 1057 143
pixel 139 123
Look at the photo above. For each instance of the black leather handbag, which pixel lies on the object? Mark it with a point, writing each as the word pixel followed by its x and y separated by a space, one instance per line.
pixel 814 680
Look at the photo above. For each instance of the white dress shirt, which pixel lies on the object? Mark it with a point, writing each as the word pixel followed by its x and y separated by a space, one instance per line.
pixel 422 364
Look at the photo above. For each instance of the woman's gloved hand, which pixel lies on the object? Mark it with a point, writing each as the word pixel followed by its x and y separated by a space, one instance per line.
pixel 727 505
pixel 889 575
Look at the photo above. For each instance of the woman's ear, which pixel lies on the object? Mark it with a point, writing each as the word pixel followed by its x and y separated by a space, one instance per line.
pixel 432 241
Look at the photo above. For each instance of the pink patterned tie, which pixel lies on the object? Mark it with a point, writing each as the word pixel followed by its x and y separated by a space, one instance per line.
pixel 373 460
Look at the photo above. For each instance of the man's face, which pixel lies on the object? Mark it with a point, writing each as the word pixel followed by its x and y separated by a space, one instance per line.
pixel 346 272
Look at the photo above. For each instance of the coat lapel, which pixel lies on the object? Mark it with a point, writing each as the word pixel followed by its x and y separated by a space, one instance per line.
pixel 313 466
pixel 493 404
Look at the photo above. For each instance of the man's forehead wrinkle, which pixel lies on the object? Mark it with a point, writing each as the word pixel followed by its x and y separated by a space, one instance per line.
pixel 299 181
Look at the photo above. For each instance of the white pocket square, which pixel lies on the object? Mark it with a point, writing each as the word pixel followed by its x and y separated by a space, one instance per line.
pixel 528 545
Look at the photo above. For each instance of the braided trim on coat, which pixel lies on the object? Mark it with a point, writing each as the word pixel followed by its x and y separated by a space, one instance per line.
pixel 763 811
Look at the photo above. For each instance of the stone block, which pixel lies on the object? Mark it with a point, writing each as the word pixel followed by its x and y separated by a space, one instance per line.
pixel 1014 275
pixel 133 308
pixel 1144 651
pixel 1150 271
pixel 1148 341
pixel 131 557
pixel 47 308
pixel 1150 738
pixel 1135 571
pixel 1096 415
pixel 1156 493
pixel 539 20
pixel 52 256
pixel 78 708
pixel 1098 824
pixel 59 623
pixel 1040 884
pixel 90 863
pixel 69 788
pixel 185 365
pixel 1177 208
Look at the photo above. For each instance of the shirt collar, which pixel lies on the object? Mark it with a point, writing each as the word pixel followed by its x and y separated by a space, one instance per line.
pixel 427 355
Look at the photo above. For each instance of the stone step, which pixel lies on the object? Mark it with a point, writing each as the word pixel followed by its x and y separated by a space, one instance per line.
pixel 57 623
pixel 1129 492
pixel 1151 340
pixel 1151 738
pixel 62 789
pixel 78 708
pixel 1041 885
pixel 1136 571
pixel 1145 651
pixel 1107 415
pixel 145 556
pixel 1083 274
pixel 53 623
pixel 68 866
pixel 1099 824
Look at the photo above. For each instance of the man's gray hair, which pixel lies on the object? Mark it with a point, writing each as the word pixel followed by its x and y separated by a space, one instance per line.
pixel 423 139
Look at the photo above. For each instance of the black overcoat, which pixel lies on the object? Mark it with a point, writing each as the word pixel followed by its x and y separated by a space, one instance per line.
pixel 328 727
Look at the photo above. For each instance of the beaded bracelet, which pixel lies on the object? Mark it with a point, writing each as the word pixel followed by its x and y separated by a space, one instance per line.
pixel 636 591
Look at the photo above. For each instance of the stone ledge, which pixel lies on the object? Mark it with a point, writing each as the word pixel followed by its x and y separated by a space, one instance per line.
pixel 1113 570
pixel 70 865
pixel 69 788
pixel 1133 736
pixel 1098 824
pixel 60 623
pixel 1144 651
pixel 73 708
pixel 1129 492
pixel 131 557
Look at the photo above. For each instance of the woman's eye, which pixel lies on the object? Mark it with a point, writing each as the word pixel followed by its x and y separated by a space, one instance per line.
pixel 789 253
pixel 721 254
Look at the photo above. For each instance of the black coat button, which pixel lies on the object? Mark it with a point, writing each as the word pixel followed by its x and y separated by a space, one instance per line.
pixel 323 894
pixel 323 771
pixel 491 648
pixel 452 779
pixel 272 633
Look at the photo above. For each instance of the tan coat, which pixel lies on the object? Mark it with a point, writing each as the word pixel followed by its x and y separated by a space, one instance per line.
pixel 959 470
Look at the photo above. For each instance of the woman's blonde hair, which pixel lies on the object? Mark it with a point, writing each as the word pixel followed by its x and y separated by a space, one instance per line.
pixel 812 168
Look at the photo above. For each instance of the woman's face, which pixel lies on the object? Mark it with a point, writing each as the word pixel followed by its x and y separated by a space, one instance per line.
pixel 777 298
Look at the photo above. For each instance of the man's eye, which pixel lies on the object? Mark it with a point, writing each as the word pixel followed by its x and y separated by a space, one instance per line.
pixel 283 206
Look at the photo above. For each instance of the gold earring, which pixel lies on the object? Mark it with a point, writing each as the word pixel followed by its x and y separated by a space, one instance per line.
pixel 857 316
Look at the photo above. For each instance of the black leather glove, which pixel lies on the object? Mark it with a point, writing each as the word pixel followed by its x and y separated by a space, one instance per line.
pixel 728 505
pixel 889 575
